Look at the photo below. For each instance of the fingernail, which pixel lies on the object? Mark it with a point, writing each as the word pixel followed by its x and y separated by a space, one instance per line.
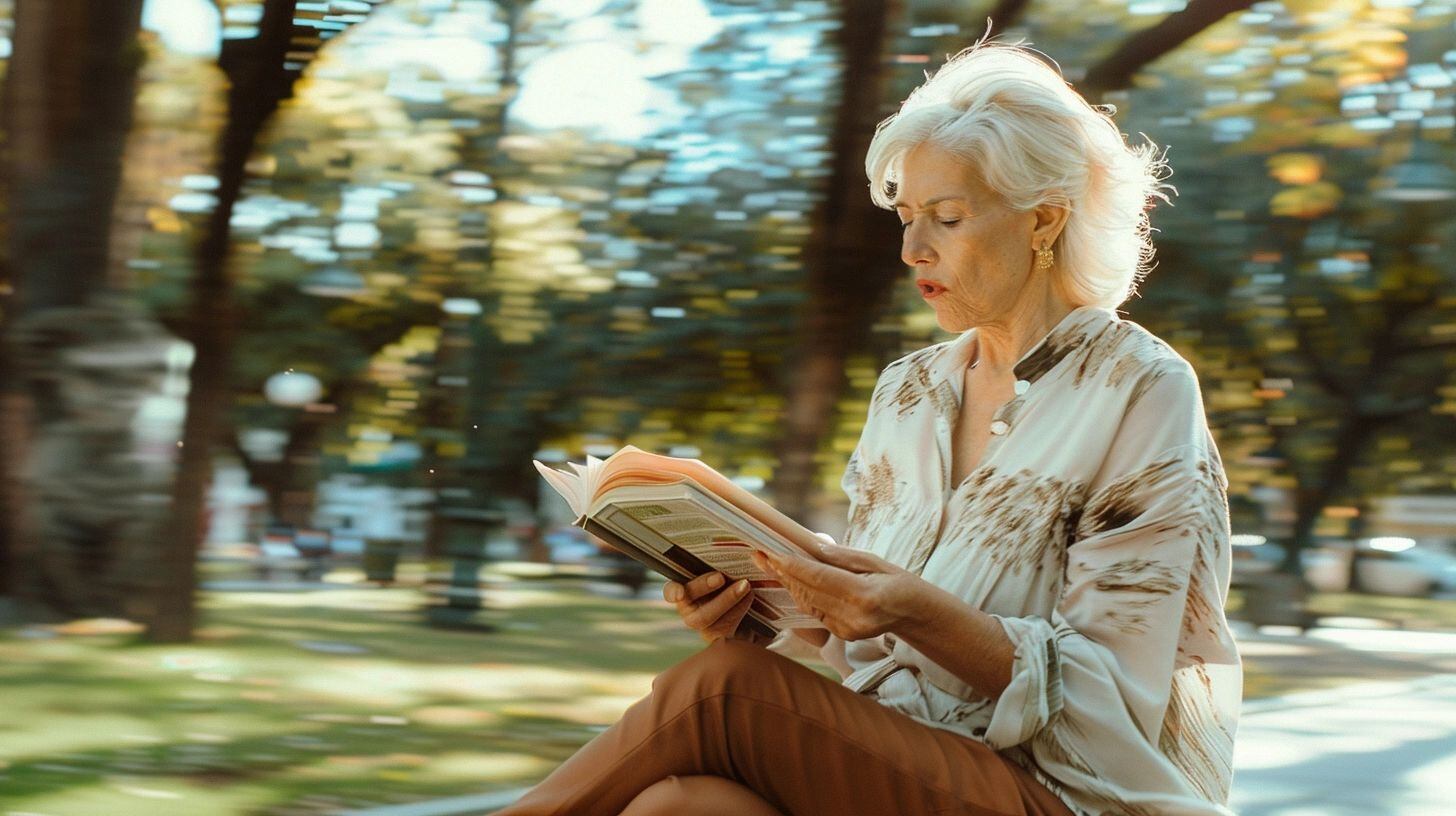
pixel 674 593
pixel 714 580
pixel 742 587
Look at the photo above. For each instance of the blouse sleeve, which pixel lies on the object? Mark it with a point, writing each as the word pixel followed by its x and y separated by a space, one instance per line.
pixel 1136 580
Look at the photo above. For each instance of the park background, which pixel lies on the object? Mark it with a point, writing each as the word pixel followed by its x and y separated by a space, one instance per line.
pixel 292 292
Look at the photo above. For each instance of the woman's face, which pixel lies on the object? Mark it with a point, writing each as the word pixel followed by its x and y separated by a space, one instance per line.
pixel 971 255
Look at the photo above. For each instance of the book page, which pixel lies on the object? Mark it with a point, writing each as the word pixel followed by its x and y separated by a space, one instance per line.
pixel 632 465
pixel 569 487
pixel 721 547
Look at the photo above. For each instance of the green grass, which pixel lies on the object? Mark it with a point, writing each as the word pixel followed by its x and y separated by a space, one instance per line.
pixel 1413 613
pixel 303 703
pixel 250 720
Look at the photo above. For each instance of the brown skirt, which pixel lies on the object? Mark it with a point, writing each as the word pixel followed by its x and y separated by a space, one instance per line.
pixel 804 743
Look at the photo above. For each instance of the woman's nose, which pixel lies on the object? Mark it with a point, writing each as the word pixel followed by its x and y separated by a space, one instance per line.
pixel 914 251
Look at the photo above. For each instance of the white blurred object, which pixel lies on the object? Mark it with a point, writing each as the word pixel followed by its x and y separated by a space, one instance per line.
pixel 464 307
pixel 232 502
pixel 1396 566
pixel 293 388
pixel 157 425
pixel 1327 569
pixel 186 26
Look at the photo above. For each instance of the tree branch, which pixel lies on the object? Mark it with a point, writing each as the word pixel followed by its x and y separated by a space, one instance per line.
pixel 1317 369
pixel 1420 348
pixel 1116 71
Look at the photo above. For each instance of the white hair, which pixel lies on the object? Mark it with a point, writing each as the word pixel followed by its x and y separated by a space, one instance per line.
pixel 1031 138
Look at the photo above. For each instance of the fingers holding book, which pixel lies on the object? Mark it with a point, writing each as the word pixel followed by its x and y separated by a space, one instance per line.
pixel 707 606
pixel 854 594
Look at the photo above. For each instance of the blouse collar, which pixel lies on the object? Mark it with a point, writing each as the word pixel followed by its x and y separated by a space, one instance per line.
pixel 1068 335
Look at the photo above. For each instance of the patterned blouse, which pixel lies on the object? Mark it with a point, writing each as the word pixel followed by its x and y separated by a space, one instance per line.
pixel 1095 530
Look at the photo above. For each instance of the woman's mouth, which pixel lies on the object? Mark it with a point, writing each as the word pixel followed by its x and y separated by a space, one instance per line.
pixel 929 289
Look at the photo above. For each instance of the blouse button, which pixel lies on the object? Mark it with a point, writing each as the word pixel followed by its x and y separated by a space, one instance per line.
pixel 999 427
pixel 1021 386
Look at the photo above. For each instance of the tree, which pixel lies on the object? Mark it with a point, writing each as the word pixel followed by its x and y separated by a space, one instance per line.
pixel 262 71
pixel 1115 71
pixel 1314 291
pixel 67 108
pixel 851 260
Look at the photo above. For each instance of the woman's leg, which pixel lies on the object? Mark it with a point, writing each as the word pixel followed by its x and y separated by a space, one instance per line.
pixel 803 743
pixel 698 796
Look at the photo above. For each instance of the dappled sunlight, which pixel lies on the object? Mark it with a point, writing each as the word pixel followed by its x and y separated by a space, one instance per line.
pixel 1372 640
pixel 481 768
pixel 452 716
pixel 484 768
pixel 316 691
pixel 449 236
pixel 32 732
pixel 1385 748
pixel 143 795
pixel 587 710
pixel 1314 739
pixel 320 693
pixel 1269 649
pixel 640 628
pixel 404 685
pixel 377 600
pixel 98 626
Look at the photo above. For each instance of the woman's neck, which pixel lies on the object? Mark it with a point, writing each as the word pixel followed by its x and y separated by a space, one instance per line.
pixel 1000 345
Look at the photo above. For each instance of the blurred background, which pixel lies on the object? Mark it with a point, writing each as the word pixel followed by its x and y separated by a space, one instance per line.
pixel 292 292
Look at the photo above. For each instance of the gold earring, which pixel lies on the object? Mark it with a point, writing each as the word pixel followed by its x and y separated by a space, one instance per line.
pixel 1044 259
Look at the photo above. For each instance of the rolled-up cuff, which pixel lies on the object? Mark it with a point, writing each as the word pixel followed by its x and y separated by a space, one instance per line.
pixel 1034 694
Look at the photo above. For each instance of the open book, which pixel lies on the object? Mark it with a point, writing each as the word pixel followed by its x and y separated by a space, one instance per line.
pixel 681 518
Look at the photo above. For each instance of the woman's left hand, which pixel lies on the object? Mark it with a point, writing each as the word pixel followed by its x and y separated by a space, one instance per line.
pixel 856 594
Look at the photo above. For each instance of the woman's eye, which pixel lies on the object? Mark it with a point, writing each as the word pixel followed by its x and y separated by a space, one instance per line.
pixel 951 222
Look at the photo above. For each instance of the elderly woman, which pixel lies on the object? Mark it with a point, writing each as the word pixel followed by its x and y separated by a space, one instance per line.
pixel 1027 612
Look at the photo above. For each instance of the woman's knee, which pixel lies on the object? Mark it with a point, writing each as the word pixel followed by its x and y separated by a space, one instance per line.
pixel 698 795
pixel 724 665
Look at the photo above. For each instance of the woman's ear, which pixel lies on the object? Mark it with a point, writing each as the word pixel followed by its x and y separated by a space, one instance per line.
pixel 1051 219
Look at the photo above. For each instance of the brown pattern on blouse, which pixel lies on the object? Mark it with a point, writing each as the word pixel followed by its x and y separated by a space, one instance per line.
pixel 1095 530
pixel 994 517
pixel 875 484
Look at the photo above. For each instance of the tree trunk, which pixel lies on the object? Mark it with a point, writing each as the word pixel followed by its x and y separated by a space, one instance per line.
pixel 1311 499
pixel 67 109
pixel 453 410
pixel 851 258
pixel 259 81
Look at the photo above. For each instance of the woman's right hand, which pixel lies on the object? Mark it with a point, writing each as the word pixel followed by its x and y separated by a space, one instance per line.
pixel 709 608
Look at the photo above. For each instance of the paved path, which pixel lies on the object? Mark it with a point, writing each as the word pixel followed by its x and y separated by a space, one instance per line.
pixel 1372 748
pixel 1389 751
